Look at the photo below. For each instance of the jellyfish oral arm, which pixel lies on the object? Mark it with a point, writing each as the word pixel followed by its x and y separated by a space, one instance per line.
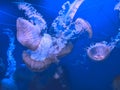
pixel 67 14
pixel 115 41
pixel 73 9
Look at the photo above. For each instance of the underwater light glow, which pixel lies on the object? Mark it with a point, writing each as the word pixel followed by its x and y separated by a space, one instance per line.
pixel 45 48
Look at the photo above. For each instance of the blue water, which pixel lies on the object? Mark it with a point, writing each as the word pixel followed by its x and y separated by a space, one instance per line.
pixel 79 71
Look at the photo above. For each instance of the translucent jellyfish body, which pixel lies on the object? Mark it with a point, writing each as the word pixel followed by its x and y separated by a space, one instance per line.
pixel 30 38
pixel 99 51
pixel 45 48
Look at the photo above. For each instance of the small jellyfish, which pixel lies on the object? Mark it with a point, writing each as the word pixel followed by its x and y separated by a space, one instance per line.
pixel 98 51
pixel 101 50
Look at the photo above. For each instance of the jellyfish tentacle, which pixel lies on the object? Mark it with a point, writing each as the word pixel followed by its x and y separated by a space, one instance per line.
pixel 81 24
pixel 11 61
pixel 115 41
pixel 66 15
pixel 63 25
pixel 117 6
pixel 73 9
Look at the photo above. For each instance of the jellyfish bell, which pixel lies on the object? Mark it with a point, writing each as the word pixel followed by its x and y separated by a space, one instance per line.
pixel 41 64
pixel 28 34
pixel 98 51
pixel 29 31
pixel 37 65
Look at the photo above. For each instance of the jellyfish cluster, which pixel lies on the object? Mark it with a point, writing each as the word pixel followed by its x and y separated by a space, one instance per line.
pixel 44 48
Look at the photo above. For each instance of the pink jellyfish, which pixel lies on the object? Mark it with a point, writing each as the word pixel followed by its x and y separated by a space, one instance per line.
pixel 44 48
pixel 99 51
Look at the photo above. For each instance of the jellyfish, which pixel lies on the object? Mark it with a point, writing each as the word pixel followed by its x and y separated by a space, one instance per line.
pixel 45 48
pixel 8 82
pixel 101 50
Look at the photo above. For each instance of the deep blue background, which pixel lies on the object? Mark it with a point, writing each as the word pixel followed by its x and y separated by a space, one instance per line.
pixel 80 72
